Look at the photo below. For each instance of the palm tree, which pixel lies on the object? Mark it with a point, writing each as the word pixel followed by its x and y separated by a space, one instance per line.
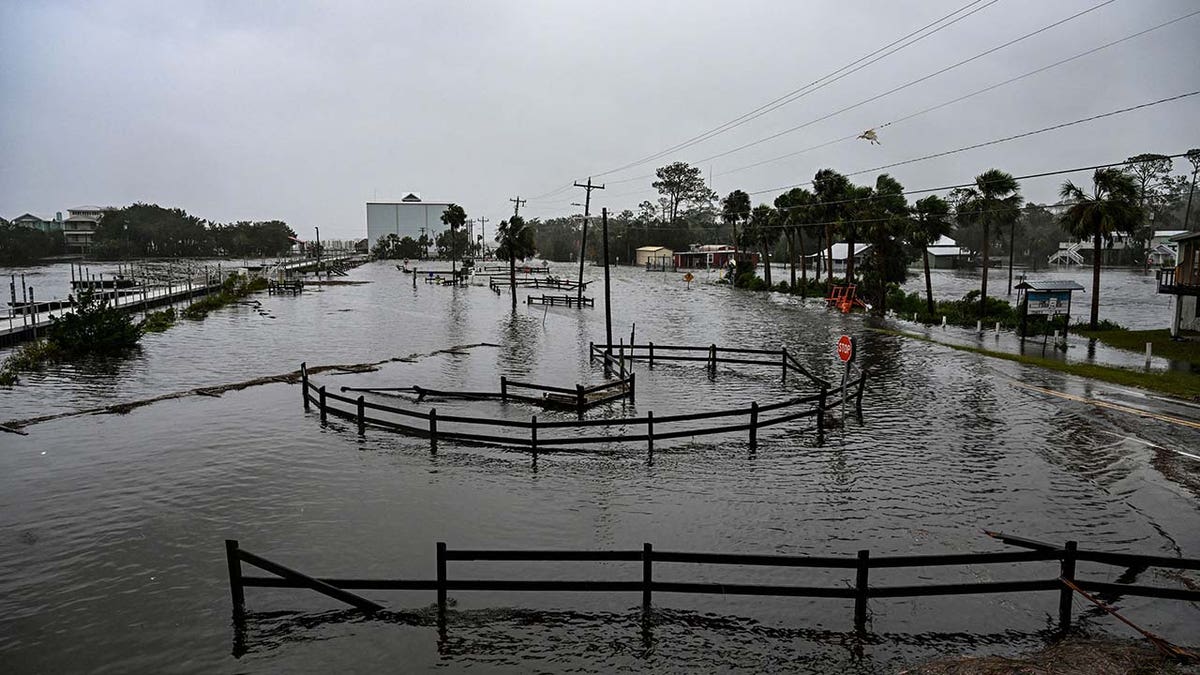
pixel 455 217
pixel 1112 208
pixel 793 207
pixel 515 239
pixel 762 225
pixel 930 222
pixel 994 200
pixel 830 189
pixel 734 209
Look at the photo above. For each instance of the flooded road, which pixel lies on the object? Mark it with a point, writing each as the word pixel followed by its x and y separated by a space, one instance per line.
pixel 112 525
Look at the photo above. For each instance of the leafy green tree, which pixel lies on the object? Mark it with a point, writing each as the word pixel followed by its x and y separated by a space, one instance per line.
pixel 680 184
pixel 1111 208
pixel 1193 156
pixel 930 222
pixel 1151 173
pixel 515 239
pixel 20 245
pixel 993 202
pixel 1042 233
pixel 93 328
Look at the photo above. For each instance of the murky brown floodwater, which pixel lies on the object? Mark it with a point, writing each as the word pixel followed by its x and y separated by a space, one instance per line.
pixel 111 527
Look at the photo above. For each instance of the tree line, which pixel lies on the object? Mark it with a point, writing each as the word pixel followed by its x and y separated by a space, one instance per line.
pixel 149 230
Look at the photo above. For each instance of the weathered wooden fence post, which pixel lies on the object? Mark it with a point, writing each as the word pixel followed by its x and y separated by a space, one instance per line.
pixel 1067 571
pixel 753 425
pixel 647 575
pixel 304 383
pixel 862 383
pixel 783 361
pixel 362 417
pixel 712 357
pixel 236 590
pixel 651 349
pixel 433 429
pixel 533 432
pixel 591 352
pixel 441 579
pixel 580 399
pixel 821 409
pixel 503 388
pixel 650 431
pixel 321 393
pixel 632 386
pixel 860 590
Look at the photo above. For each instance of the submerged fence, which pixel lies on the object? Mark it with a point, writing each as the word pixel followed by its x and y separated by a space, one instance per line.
pixel 861 591
pixel 546 435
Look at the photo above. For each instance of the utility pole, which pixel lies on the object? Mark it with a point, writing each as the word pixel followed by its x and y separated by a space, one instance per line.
pixel 587 205
pixel 607 296
pixel 482 235
pixel 518 204
pixel 318 251
pixel 424 244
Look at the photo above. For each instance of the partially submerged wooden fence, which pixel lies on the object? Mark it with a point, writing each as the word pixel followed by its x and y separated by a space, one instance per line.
pixel 861 591
pixel 437 426
pixel 502 281
pixel 711 356
pixel 560 300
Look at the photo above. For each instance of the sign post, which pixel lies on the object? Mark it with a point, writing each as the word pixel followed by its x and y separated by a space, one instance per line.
pixel 688 278
pixel 846 351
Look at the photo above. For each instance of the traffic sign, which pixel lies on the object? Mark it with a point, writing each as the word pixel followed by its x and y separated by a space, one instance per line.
pixel 845 348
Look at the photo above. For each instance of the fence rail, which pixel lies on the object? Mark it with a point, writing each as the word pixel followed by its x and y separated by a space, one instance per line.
pixel 651 352
pixel 861 591
pixel 433 425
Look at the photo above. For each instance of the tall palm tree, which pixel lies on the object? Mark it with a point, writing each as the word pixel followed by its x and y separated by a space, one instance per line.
pixel 455 217
pixel 830 188
pixel 930 222
pixel 793 207
pixel 515 239
pixel 766 234
pixel 995 199
pixel 735 208
pixel 1110 209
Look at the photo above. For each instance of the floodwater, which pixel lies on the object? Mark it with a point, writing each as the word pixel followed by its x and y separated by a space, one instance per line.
pixel 112 526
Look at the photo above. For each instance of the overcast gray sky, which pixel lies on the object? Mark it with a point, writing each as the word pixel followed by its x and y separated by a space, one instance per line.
pixel 305 111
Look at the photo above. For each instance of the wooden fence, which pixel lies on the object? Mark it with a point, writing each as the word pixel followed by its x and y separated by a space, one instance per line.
pixel 499 282
pixel 437 426
pixel 710 356
pixel 560 300
pixel 860 591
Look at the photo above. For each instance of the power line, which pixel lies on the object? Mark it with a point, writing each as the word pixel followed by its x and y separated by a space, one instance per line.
pixel 944 188
pixel 887 93
pixel 997 140
pixel 795 93
pixel 906 85
pixel 815 85
pixel 965 96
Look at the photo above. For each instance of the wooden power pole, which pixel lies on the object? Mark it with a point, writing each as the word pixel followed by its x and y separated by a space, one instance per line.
pixel 587 204
pixel 518 203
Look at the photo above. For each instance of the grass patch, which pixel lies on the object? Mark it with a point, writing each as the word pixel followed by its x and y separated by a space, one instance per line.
pixel 1161 343
pixel 1173 383
pixel 157 322
pixel 233 289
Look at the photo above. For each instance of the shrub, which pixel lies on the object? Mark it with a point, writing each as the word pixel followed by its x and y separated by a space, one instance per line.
pixel 93 328
pixel 157 322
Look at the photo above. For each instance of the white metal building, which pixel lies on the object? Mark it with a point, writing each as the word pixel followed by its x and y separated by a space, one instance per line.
pixel 408 217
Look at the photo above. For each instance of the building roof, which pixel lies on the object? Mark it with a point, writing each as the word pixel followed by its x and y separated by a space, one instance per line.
pixel 82 219
pixel 1168 233
pixel 1050 285
pixel 946 246
pixel 1188 236
pixel 28 216
pixel 86 208
pixel 653 248
pixel 410 202
pixel 840 250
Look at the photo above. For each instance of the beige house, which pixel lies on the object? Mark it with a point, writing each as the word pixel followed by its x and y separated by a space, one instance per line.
pixel 653 256
pixel 1183 282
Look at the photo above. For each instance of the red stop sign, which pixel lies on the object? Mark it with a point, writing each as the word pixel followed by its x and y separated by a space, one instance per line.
pixel 845 348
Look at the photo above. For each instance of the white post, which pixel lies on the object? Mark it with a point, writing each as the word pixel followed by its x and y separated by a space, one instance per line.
pixel 1148 353
pixel 979 325
pixel 997 329
pixel 943 321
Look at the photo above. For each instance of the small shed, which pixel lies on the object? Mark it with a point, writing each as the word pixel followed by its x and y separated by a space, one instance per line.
pixel 945 253
pixel 1183 282
pixel 1050 298
pixel 653 256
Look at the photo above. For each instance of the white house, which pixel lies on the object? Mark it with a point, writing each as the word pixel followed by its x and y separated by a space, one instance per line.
pixel 945 253
pixel 840 253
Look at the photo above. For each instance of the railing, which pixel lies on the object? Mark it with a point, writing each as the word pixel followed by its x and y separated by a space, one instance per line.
pixel 860 591
pixel 713 355
pixel 433 425
pixel 1176 281
pixel 560 300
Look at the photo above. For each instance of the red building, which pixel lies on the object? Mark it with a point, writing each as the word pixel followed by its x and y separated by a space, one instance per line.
pixel 709 256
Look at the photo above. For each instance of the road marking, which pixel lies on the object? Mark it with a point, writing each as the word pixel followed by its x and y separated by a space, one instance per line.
pixel 1114 406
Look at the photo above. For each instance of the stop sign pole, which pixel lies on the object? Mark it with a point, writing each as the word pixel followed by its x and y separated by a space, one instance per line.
pixel 846 351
